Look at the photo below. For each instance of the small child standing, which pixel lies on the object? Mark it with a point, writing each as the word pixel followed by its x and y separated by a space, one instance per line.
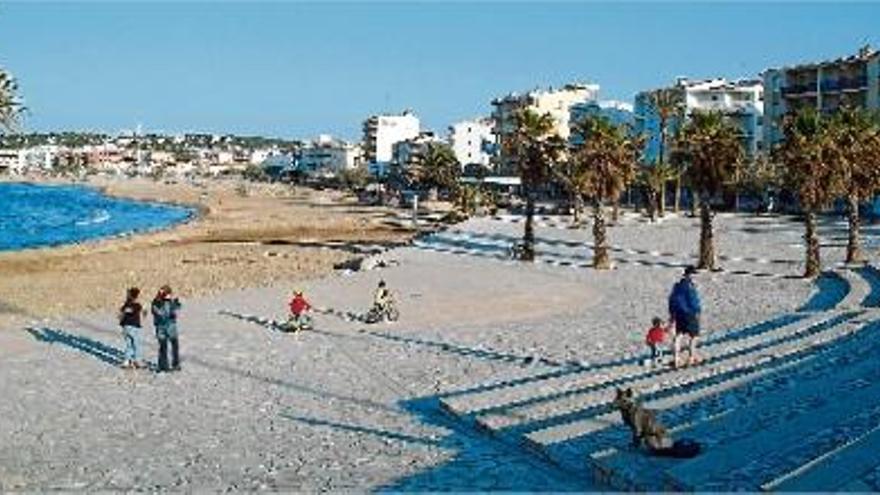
pixel 656 336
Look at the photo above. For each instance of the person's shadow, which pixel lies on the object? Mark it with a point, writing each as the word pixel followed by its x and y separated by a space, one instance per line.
pixel 106 353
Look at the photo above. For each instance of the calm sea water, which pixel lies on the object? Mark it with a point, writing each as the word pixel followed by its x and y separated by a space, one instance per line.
pixel 36 216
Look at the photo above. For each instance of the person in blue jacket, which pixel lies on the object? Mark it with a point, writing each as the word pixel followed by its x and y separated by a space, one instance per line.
pixel 684 312
pixel 165 308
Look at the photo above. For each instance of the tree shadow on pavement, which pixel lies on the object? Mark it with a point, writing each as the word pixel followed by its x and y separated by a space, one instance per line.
pixel 479 462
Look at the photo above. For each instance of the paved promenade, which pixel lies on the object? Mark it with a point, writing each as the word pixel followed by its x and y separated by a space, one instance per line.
pixel 416 405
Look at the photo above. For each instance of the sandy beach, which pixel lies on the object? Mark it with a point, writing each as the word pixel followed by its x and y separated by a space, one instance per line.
pixel 245 235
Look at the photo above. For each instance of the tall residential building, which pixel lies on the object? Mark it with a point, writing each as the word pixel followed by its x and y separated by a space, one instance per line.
pixel 327 156
pixel 825 86
pixel 557 103
pixel 472 141
pixel 380 134
pixel 742 101
pixel 618 112
pixel 409 150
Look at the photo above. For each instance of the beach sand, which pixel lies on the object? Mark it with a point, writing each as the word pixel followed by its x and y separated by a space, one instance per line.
pixel 246 235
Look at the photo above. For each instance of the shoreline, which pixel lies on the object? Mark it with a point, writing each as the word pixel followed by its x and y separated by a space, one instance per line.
pixel 271 234
pixel 193 214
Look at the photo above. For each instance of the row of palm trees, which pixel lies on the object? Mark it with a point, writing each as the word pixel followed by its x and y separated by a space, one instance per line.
pixel 823 158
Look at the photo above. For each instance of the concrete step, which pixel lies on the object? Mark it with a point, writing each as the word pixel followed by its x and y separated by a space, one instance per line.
pixel 835 470
pixel 838 370
pixel 747 463
pixel 545 413
pixel 872 275
pixel 627 367
pixel 831 289
pixel 859 288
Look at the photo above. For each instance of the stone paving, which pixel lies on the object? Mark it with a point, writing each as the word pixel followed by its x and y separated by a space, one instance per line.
pixel 355 407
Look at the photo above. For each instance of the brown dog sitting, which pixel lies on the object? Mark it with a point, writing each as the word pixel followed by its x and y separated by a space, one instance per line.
pixel 646 429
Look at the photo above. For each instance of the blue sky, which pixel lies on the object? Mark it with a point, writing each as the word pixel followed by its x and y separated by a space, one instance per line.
pixel 298 69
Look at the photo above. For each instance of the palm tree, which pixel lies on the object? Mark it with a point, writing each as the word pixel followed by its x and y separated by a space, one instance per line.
pixel 566 173
pixel 440 168
pixel 11 107
pixel 669 105
pixel 605 161
pixel 535 148
pixel 653 177
pixel 856 140
pixel 710 147
pixel 807 155
pixel 760 178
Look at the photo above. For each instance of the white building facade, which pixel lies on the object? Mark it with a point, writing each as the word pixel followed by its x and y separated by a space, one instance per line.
pixel 555 102
pixel 472 141
pixel 741 101
pixel 327 157
pixel 381 132
pixel 12 161
pixel 409 150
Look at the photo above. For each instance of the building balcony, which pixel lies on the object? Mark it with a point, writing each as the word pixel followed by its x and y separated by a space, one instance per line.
pixel 845 84
pixel 799 90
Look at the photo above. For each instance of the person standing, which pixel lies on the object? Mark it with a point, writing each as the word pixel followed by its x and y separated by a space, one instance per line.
pixel 130 321
pixel 684 312
pixel 165 308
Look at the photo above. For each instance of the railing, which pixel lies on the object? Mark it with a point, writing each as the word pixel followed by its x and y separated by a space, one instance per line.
pixel 796 89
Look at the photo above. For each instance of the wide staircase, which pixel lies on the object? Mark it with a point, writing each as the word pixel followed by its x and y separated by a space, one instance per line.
pixel 789 404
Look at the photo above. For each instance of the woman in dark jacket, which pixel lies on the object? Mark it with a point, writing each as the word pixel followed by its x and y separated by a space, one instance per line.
pixel 165 309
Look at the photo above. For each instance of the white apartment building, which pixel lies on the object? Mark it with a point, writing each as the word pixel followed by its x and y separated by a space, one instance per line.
pixel 742 101
pixel 11 161
pixel 327 156
pixel 472 141
pixel 381 132
pixel 826 86
pixel 409 150
pixel 556 102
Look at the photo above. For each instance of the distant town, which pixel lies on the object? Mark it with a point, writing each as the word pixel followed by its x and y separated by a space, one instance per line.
pixel 395 141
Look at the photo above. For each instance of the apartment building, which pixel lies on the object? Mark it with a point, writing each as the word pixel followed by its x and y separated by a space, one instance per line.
pixel 381 132
pixel 556 102
pixel 326 156
pixel 617 112
pixel 11 161
pixel 472 141
pixel 409 150
pixel 826 86
pixel 742 101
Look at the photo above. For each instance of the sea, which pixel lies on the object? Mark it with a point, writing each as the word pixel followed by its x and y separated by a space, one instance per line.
pixel 34 216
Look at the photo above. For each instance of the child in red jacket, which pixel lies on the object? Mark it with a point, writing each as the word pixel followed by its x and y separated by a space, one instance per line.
pixel 656 336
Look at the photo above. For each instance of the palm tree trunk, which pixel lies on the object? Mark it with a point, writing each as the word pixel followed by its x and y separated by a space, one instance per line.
pixel 707 237
pixel 651 204
pixel 661 202
pixel 812 241
pixel 615 211
pixel 677 205
pixel 577 206
pixel 600 242
pixel 528 250
pixel 853 246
